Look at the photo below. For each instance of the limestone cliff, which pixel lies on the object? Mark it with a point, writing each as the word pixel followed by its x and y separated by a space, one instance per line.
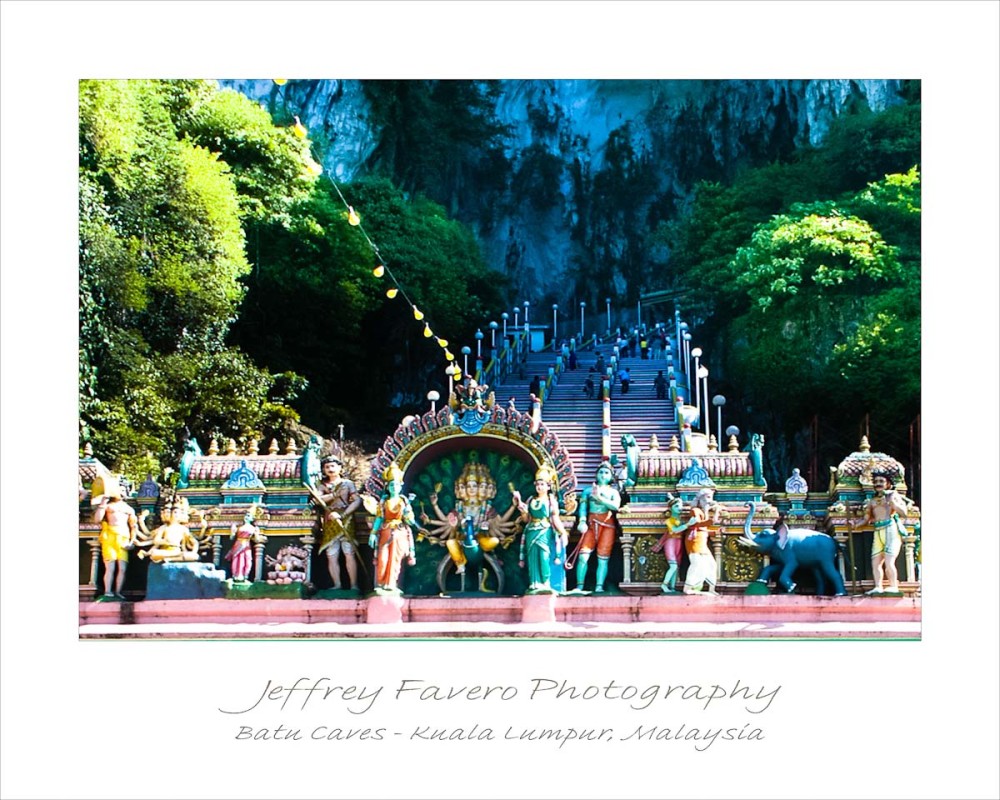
pixel 588 167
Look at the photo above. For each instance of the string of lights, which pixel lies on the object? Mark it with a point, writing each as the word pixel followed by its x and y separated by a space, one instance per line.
pixel 381 269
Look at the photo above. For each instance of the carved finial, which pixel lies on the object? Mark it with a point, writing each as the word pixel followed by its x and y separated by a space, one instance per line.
pixel 864 447
pixel 675 445
pixel 713 444
pixel 290 448
pixel 253 446
pixel 88 451
pixel 273 447
pixel 231 447
pixel 654 442
pixel 734 446
pixel 213 447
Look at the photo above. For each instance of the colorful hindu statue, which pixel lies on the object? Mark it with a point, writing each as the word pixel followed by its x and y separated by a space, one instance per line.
pixel 392 536
pixel 118 533
pixel 544 535
pixel 702 567
pixel 473 524
pixel 173 539
pixel 596 514
pixel 884 510
pixel 338 499
pixel 241 553
pixel 670 544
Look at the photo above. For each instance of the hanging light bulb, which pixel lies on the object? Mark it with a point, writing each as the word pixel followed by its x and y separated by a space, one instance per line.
pixel 442 342
pixel 428 333
pixel 379 271
pixel 299 129
pixel 280 81
pixel 391 293
pixel 352 216
pixel 449 355
pixel 417 314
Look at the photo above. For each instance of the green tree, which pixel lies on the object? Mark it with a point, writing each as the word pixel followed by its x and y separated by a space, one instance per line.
pixel 161 257
pixel 316 308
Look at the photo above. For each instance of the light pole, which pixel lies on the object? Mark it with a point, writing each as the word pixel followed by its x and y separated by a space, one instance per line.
pixel 479 343
pixel 696 355
pixel 638 313
pixel 466 351
pixel 703 374
pixel 504 316
pixel 493 335
pixel 517 311
pixel 607 303
pixel 555 325
pixel 450 371
pixel 718 401
pixel 684 344
pixel 433 396
pixel 527 330
pixel 583 306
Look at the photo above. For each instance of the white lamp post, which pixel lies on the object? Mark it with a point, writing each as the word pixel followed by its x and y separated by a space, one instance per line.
pixel 638 313
pixel 504 316
pixel 517 311
pixel 493 335
pixel 696 355
pixel 607 302
pixel 555 325
pixel 479 343
pixel 703 375
pixel 526 304
pixel 719 401
pixel 686 354
pixel 433 396
pixel 466 351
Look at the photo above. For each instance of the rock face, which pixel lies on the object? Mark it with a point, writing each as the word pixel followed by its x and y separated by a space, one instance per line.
pixel 590 166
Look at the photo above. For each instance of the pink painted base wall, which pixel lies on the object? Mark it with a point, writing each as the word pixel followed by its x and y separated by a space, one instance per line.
pixel 620 609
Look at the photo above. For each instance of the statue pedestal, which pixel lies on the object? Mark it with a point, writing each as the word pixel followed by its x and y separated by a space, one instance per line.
pixel 385 608
pixel 191 580
pixel 538 608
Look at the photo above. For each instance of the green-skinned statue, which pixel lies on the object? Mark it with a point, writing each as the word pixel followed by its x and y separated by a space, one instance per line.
pixel 596 515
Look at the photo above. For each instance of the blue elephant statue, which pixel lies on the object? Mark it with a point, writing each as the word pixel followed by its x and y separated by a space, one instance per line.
pixel 792 548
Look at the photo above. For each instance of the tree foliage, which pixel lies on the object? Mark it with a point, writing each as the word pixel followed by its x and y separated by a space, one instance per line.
pixel 803 279
pixel 161 258
pixel 316 308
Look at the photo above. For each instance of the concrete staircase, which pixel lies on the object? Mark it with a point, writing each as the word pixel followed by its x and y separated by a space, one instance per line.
pixel 577 419
pixel 639 412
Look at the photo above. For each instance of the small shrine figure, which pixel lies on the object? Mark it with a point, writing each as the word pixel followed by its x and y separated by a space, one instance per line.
pixel 472 394
pixel 796 484
pixel 241 553
pixel 884 511
pixel 596 514
pixel 392 536
pixel 118 533
pixel 289 566
pixel 338 499
pixel 702 568
pixel 544 534
pixel 172 540
pixel 670 544
pixel 473 523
